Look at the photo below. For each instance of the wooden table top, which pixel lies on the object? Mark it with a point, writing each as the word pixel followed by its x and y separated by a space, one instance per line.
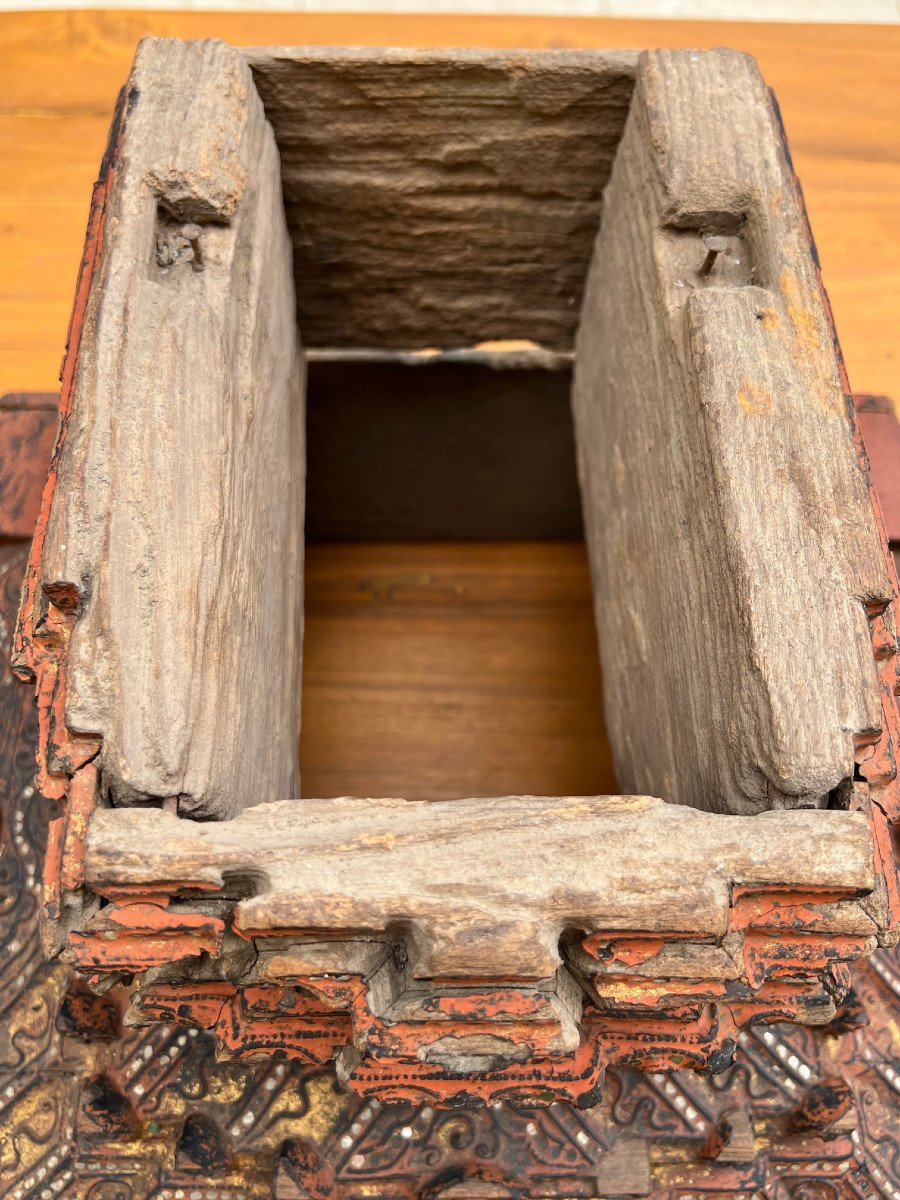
pixel 838 87
pixel 437 670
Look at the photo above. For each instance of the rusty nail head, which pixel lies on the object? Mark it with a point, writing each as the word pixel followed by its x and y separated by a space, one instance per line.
pixel 715 246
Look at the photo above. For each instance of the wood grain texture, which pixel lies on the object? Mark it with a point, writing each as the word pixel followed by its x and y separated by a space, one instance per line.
pixel 183 463
pixel 484 888
pixel 446 669
pixel 734 549
pixel 494 162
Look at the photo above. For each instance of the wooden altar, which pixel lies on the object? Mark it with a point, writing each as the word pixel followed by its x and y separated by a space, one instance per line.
pixel 819 925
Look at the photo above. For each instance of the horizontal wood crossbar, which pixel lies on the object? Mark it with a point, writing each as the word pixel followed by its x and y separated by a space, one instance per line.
pixel 439 947
pixel 488 886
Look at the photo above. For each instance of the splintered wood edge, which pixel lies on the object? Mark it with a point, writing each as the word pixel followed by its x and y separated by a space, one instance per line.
pixel 735 552
pixel 625 61
pixel 485 887
pixel 183 462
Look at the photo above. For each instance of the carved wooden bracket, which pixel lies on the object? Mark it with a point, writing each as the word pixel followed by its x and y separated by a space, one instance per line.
pixel 475 949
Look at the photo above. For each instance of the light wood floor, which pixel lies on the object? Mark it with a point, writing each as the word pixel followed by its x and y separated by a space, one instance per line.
pixel 438 670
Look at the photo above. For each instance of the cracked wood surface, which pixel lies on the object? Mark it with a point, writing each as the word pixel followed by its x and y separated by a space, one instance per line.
pixel 442 197
pixel 734 548
pixel 484 888
pixel 765 932
pixel 182 465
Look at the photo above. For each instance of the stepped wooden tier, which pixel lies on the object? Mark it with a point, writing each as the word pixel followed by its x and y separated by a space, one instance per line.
pixel 624 227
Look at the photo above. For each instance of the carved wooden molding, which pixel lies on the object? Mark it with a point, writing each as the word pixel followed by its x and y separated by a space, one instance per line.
pixel 91 1103
pixel 447 940
pixel 480 949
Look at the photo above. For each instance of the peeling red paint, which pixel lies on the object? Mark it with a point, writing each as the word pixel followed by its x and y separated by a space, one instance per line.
pixel 791 963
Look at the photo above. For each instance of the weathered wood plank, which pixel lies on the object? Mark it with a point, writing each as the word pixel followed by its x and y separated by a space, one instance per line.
pixel 176 522
pixel 439 198
pixel 484 888
pixel 734 548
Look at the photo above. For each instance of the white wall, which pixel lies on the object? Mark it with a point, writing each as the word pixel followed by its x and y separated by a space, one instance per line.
pixel 851 11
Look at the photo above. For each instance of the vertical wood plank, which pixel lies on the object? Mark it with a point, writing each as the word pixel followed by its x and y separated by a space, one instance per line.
pixel 734 549
pixel 176 522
